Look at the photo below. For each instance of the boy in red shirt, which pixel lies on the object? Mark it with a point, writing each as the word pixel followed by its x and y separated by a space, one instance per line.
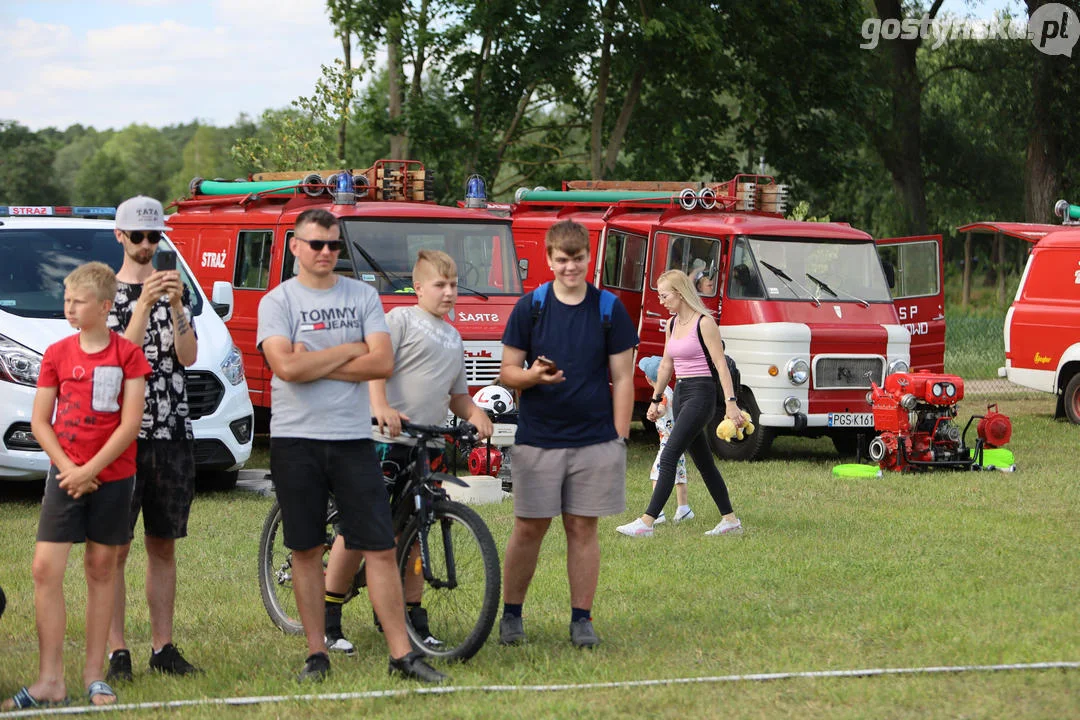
pixel 95 382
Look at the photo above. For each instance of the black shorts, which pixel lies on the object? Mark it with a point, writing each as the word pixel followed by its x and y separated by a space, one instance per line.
pixel 164 488
pixel 306 471
pixel 100 516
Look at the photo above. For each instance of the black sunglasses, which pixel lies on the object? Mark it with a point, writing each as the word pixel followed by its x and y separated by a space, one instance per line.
pixel 137 236
pixel 318 245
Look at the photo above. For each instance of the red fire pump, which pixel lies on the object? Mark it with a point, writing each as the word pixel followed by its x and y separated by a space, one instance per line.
pixel 915 418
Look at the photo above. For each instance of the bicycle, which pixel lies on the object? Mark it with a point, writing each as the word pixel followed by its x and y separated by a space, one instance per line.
pixel 459 562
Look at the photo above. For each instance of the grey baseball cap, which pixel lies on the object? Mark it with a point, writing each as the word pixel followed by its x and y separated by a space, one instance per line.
pixel 140 213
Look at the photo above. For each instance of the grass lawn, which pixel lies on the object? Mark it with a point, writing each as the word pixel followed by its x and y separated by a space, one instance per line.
pixel 903 571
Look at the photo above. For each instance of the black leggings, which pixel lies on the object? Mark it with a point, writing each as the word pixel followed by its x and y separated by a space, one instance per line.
pixel 694 406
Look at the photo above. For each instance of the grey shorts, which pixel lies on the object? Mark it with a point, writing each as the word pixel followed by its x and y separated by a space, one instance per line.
pixel 100 516
pixel 588 481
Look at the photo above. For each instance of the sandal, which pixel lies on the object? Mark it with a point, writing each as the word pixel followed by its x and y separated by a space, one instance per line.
pixel 97 688
pixel 23 700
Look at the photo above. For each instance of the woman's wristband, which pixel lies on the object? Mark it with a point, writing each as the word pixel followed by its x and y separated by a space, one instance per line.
pixel 658 399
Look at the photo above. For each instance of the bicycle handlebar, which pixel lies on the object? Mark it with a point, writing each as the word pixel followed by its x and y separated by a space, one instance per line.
pixel 462 431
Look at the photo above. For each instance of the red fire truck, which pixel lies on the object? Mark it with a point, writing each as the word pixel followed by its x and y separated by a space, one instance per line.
pixel 807 312
pixel 235 235
pixel 1042 326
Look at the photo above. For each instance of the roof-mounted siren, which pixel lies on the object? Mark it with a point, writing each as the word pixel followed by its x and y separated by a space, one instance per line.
pixel 773 198
pixel 313 185
pixel 688 199
pixel 1069 213
pixel 475 192
pixel 744 196
pixel 343 189
pixel 707 198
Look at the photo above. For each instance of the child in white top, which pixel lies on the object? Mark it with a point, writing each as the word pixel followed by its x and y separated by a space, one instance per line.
pixel 664 423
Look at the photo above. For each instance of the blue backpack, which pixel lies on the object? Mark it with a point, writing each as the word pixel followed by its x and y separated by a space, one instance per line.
pixel 607 302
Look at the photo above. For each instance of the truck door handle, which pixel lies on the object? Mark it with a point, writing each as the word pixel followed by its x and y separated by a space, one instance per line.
pixel 650 313
pixel 938 317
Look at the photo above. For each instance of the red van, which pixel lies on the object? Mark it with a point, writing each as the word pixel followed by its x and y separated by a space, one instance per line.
pixel 805 308
pixel 236 234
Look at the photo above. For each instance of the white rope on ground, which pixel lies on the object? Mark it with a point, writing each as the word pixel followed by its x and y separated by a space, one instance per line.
pixel 373 694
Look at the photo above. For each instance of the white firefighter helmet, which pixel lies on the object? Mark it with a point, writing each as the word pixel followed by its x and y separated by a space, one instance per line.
pixel 495 399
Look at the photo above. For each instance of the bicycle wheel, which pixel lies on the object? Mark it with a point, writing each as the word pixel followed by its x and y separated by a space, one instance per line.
pixel 462 599
pixel 275 569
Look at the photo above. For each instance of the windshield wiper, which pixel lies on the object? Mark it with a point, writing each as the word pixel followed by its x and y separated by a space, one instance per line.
pixel 470 290
pixel 374 264
pixel 787 281
pixel 832 292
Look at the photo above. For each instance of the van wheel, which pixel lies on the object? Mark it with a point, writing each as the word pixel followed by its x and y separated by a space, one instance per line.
pixel 216 480
pixel 751 447
pixel 1072 399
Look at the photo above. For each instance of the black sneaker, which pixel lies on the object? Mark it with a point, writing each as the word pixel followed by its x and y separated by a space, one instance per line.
pixel 337 642
pixel 418 617
pixel 316 668
pixel 119 667
pixel 413 667
pixel 168 660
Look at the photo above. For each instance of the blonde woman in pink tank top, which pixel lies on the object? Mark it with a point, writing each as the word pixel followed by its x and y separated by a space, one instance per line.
pixel 694 404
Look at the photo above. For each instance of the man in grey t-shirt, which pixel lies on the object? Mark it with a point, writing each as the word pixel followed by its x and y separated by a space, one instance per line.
pixel 324 336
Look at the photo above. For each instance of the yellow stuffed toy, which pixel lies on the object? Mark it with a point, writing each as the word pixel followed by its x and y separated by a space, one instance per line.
pixel 727 430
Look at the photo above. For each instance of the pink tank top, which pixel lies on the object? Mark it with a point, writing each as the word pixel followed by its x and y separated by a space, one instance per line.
pixel 688 355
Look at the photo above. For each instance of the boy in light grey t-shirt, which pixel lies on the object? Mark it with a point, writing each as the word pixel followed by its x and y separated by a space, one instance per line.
pixel 429 377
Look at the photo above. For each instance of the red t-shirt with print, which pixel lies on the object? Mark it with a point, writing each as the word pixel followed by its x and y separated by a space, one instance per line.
pixel 90 392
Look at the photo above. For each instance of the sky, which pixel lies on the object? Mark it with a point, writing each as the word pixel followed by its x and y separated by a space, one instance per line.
pixel 111 63
pixel 159 62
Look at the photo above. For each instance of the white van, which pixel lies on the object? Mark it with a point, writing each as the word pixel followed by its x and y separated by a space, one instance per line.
pixel 39 246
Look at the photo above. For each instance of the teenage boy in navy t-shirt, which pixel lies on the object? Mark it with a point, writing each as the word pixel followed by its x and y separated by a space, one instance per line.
pixel 94 381
pixel 570 448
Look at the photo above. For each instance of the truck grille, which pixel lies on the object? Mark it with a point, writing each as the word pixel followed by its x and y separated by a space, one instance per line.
pixel 482 361
pixel 204 392
pixel 848 373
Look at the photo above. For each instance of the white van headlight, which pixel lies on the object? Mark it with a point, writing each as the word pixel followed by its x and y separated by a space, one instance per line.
pixel 898 366
pixel 18 364
pixel 798 371
pixel 233 366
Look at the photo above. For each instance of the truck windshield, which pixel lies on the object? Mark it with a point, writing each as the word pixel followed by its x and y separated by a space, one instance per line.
pixel 484 253
pixel 36 261
pixel 820 269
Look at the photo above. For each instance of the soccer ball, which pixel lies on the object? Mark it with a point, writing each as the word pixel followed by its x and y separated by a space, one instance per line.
pixel 495 399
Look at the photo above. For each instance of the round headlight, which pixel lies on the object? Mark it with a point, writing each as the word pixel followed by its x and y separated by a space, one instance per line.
pixel 937 390
pixel 950 390
pixel 798 371
pixel 869 397
pixel 792 405
pixel 898 366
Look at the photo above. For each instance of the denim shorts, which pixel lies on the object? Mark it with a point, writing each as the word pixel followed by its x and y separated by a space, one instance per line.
pixel 306 472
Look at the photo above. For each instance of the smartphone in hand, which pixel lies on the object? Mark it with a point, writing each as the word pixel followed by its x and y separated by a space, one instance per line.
pixel 548 364
pixel 165 260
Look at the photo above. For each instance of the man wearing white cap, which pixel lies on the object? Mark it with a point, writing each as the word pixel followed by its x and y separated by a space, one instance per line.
pixel 153 310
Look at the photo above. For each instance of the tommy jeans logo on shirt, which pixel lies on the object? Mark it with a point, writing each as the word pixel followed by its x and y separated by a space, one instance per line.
pixel 328 319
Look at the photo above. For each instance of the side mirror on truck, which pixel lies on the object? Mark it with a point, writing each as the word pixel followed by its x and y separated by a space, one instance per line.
pixel 221 298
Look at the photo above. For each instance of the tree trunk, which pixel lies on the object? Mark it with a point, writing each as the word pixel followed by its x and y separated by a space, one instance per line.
pixel 623 121
pixel 1042 167
pixel 346 51
pixel 901 145
pixel 603 76
pixel 965 296
pixel 416 88
pixel 399 141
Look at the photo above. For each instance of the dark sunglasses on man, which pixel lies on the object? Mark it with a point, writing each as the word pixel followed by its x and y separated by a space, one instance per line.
pixel 137 236
pixel 318 245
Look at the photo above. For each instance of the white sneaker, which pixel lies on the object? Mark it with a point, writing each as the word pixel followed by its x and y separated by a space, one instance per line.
pixel 726 527
pixel 340 644
pixel 688 515
pixel 638 528
pixel 661 519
